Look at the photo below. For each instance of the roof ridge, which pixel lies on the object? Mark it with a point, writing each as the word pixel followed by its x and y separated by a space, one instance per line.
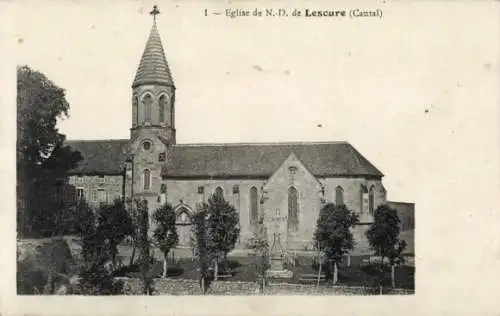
pixel 260 143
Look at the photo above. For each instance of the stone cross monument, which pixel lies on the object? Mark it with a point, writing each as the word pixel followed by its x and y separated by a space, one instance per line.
pixel 278 225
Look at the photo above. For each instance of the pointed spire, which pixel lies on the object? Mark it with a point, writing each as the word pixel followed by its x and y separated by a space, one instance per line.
pixel 153 67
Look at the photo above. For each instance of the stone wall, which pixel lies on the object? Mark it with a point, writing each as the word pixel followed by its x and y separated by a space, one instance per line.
pixel 293 173
pixel 185 193
pixel 406 214
pixel 192 287
pixel 111 185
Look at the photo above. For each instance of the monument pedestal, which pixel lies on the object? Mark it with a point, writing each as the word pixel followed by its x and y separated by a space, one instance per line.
pixel 276 261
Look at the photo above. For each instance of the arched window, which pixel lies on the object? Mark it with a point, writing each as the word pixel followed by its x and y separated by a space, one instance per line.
pixel 254 206
pixel 182 217
pixel 293 208
pixel 147 101
pixel 135 105
pixel 364 198
pixel 147 179
pixel 162 102
pixel 371 200
pixel 219 192
pixel 339 195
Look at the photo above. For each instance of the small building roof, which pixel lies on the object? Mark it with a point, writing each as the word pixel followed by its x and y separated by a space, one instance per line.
pixel 99 156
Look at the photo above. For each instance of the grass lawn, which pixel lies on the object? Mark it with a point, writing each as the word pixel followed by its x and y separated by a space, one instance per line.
pixel 358 274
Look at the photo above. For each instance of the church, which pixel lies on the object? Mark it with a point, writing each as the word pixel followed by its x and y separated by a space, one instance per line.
pixel 275 182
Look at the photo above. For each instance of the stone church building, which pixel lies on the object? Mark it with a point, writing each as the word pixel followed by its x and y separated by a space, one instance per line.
pixel 291 180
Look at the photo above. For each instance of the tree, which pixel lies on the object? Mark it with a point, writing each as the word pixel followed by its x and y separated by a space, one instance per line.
pixel 94 277
pixel 222 227
pixel 202 250
pixel 144 245
pixel 383 238
pixel 165 233
pixel 77 218
pixel 114 223
pixel 333 236
pixel 42 157
pixel 132 208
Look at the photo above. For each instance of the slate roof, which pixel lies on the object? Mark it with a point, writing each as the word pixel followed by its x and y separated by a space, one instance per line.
pixel 100 156
pixel 329 159
pixel 153 67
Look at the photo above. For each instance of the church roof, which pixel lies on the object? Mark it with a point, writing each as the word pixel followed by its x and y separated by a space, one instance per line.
pixel 329 159
pixel 255 160
pixel 153 67
pixel 99 156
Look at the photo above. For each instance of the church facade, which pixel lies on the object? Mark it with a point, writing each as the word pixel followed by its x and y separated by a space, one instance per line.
pixel 262 180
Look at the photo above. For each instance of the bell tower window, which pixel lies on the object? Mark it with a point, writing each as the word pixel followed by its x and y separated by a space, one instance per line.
pixel 162 103
pixel 147 101
pixel 135 111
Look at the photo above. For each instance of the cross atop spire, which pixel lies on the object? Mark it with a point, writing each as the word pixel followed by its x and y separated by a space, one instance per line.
pixel 155 12
pixel 153 67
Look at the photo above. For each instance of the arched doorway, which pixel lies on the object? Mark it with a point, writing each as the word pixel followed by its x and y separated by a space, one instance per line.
pixel 183 224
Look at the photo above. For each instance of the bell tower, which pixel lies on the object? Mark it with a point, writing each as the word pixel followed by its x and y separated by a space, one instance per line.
pixel 153 123
pixel 153 91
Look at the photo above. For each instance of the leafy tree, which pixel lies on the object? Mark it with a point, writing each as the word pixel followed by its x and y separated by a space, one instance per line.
pixel 222 227
pixel 383 236
pixel 85 216
pixel 132 208
pixel 114 223
pixel 77 218
pixel 202 249
pixel 333 236
pixel 165 233
pixel 95 277
pixel 260 247
pixel 144 245
pixel 42 157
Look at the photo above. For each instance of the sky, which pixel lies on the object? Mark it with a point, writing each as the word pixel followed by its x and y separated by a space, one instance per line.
pixel 389 86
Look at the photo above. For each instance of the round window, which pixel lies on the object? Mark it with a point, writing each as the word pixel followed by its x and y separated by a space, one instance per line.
pixel 146 146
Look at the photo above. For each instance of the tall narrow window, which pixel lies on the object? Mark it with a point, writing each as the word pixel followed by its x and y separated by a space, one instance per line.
pixel 254 206
pixel 101 196
pixel 219 192
pixel 293 209
pixel 364 199
pixel 339 195
pixel 163 193
pixel 371 201
pixel 172 114
pixel 79 194
pixel 147 101
pixel 135 110
pixel 147 179
pixel 162 102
